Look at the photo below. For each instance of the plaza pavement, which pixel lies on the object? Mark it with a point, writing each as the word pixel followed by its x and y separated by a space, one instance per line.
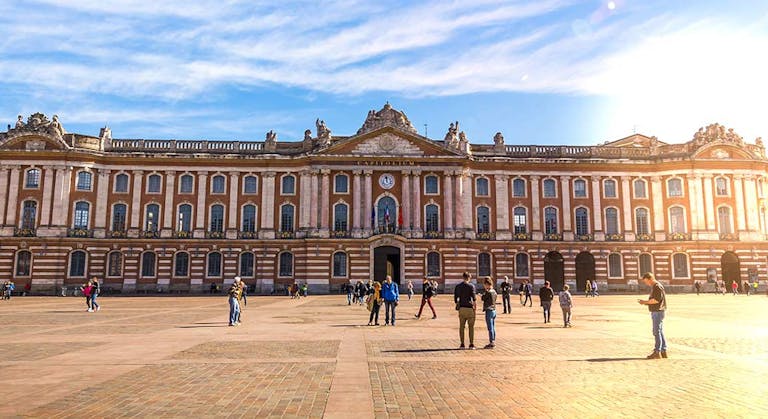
pixel 176 357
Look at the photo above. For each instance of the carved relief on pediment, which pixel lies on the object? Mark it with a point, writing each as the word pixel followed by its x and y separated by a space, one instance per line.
pixel 34 145
pixel 388 144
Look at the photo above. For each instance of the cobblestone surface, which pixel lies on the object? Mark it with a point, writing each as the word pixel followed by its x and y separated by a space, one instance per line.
pixel 262 349
pixel 41 350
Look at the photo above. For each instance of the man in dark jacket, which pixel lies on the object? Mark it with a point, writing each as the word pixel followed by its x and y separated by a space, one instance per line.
pixel 546 295
pixel 528 293
pixel 391 295
pixel 427 292
pixel 464 297
pixel 506 289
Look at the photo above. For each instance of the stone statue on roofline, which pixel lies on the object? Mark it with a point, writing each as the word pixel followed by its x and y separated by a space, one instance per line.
pixel 323 133
pixel 498 142
pixel 20 123
pixel 464 146
pixel 452 136
pixel 271 141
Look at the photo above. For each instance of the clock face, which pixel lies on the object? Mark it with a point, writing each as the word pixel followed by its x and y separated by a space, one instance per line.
pixel 386 181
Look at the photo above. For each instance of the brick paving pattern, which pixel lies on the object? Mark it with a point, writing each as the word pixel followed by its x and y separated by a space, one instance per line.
pixel 262 349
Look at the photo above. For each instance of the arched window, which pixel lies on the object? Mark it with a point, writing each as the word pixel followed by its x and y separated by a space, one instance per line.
pixel 247 264
pixel 121 183
pixel 611 221
pixel 148 264
pixel 217 218
pixel 286 218
pixel 642 224
pixel 609 188
pixel 579 188
pixel 152 220
pixel 119 212
pixel 721 186
pixel 641 191
pixel 154 183
pixel 286 264
pixel 32 179
pixel 483 220
pixel 680 265
pixel 614 265
pixel 645 262
pixel 288 185
pixel 482 186
pixel 341 184
pixel 339 264
pixel 582 221
pixel 77 263
pixel 431 185
pixel 520 220
pixel 29 215
pixel 549 188
pixel 675 187
pixel 550 220
pixel 84 181
pixel 23 263
pixel 218 184
pixel 677 220
pixel 181 264
pixel 82 215
pixel 724 220
pixel 521 265
pixel 214 264
pixel 433 264
pixel 115 264
pixel 518 188
pixel 249 218
pixel 184 222
pixel 340 217
pixel 250 185
pixel 386 212
pixel 432 218
pixel 484 264
pixel 187 184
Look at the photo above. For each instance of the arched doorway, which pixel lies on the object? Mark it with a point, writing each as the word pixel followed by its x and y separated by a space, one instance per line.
pixel 386 261
pixel 730 268
pixel 554 270
pixel 585 269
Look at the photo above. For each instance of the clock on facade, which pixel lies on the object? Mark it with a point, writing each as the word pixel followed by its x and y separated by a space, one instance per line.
pixel 387 181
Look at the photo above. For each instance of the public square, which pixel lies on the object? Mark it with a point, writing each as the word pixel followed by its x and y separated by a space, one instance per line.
pixel 315 357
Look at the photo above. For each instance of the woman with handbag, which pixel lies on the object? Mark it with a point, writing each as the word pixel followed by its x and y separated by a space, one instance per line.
pixel 374 303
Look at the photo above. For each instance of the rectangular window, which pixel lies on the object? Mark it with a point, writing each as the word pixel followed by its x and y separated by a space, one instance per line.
pixel 342 184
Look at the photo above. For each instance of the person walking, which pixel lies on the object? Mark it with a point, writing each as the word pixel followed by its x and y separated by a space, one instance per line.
pixel 95 291
pixel 427 292
pixel 9 288
pixel 86 289
pixel 734 288
pixel 657 305
pixel 521 292
pixel 391 295
pixel 528 293
pixel 697 286
pixel 588 288
pixel 350 290
pixel 566 303
pixel 464 297
pixel 409 286
pixel 506 290
pixel 594 289
pixel 374 303
pixel 746 287
pixel 234 302
pixel 546 295
pixel 489 308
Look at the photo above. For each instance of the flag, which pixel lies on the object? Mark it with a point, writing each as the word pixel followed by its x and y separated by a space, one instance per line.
pixel 400 218
pixel 373 217
pixel 386 216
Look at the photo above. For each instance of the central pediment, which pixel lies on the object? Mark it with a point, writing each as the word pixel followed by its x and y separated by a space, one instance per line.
pixel 389 141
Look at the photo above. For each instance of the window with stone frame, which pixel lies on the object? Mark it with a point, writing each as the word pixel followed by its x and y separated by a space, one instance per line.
pixel 641 189
pixel 121 183
pixel 219 184
pixel 115 264
pixel 549 188
pixel 181 264
pixel 432 218
pixel 148 264
pixel 521 265
pixel 520 220
pixel 32 179
pixel 247 264
pixel 288 185
pixel 518 188
pixel 614 265
pixel 341 184
pixel 431 185
pixel 250 185
pixel 84 181
pixel 642 223
pixel 23 263
pixel 285 264
pixel 484 264
pixel 339 264
pixel 154 183
pixel 680 265
pixel 481 187
pixel 77 264
pixel 609 189
pixel 214 265
pixel 582 221
pixel 249 219
pixel 579 188
pixel 187 184
pixel 433 264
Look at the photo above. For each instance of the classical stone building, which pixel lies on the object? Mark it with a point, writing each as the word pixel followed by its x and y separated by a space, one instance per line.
pixel 179 215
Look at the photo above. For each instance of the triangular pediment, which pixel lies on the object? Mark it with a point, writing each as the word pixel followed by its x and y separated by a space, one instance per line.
pixel 33 142
pixel 389 141
pixel 635 141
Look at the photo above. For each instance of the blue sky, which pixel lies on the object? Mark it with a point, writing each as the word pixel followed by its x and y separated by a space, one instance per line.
pixel 544 72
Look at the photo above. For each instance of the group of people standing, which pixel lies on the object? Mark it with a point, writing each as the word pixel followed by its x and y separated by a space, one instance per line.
pixel 7 289
pixel 91 290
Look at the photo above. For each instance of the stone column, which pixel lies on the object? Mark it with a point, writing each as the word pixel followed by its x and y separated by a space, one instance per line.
pixel 405 207
pixel 536 233
pixel 417 230
pixel 368 202
pixel 61 208
pixel 709 205
pixel 45 210
pixel 356 202
pixel 659 217
pixel 102 195
pixel 201 207
pixel 626 203
pixel 136 192
pixel 3 193
pixel 325 193
pixel 597 209
pixel 468 210
pixel 696 202
pixel 565 196
pixel 448 203
pixel 13 196
pixel 168 210
pixel 458 226
pixel 740 211
pixel 314 209
pixel 267 230
pixel 234 208
pixel 305 199
pixel 502 207
pixel 751 206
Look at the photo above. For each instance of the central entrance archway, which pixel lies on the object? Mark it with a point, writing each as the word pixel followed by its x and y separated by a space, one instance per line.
pixel 585 269
pixel 554 270
pixel 731 269
pixel 386 261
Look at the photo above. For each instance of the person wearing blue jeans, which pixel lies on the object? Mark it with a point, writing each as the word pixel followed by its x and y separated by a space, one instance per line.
pixel 234 303
pixel 95 294
pixel 657 305
pixel 489 308
pixel 391 295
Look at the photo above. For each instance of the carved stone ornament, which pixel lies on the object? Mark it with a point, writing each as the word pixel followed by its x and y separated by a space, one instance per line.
pixel 388 144
pixel 720 154
pixel 35 145
pixel 386 117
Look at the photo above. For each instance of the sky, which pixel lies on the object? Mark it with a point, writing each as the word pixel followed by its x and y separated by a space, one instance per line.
pixel 540 72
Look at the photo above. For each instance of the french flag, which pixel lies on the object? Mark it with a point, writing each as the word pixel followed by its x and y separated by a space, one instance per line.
pixel 386 215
